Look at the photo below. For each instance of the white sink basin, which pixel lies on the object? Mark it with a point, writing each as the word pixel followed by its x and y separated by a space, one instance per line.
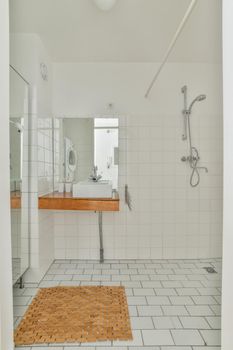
pixel 91 189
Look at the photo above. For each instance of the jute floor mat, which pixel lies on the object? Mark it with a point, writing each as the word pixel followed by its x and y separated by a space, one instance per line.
pixel 75 314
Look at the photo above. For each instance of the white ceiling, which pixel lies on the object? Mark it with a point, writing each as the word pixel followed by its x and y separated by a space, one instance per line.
pixel 133 31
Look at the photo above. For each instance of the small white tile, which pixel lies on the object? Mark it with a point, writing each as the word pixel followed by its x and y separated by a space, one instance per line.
pixel 20 310
pixel 21 300
pixel 179 348
pixel 100 343
pixel 157 337
pixel 74 272
pixel 214 322
pixel 204 300
pixel 151 284
pixel 171 284
pixel 192 284
pixel 143 291
pixel 208 291
pixel 199 310
pixel 77 347
pixel 194 322
pixel 18 291
pixel 158 300
pixel 47 284
pixel 112 348
pixel 136 300
pixel 187 291
pixel 62 277
pixel 137 340
pixel 207 348
pixel 69 283
pixel 149 311
pixel 212 337
pixel 133 311
pixel 47 347
pixel 167 322
pixel 141 323
pixel 187 337
pixel 81 277
pixel 165 291
pixel 181 300
pixel 30 291
pixel 133 284
pixel 216 309
pixel 120 278
pixel 140 277
pixel 174 310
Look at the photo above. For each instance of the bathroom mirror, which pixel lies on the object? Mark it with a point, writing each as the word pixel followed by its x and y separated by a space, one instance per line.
pixel 19 191
pixel 80 144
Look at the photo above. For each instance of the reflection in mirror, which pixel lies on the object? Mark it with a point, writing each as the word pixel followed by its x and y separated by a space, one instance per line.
pixel 18 125
pixel 86 149
pixel 106 148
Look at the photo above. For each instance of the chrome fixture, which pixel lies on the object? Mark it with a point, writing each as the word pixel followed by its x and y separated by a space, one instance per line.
pixel 44 71
pixel 94 176
pixel 193 157
pixel 172 44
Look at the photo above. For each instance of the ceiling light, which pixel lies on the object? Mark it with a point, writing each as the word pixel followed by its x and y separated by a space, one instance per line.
pixel 105 5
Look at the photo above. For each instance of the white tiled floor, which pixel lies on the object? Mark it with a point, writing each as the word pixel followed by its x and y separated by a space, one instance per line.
pixel 174 304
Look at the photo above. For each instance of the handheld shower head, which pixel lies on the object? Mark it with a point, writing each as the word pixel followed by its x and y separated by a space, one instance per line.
pixel 197 99
pixel 201 97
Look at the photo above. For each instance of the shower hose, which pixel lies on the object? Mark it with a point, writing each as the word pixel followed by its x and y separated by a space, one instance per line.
pixel 193 161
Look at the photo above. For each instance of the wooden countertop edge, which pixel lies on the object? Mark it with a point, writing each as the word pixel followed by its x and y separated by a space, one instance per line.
pixel 15 203
pixel 55 201
pixel 15 200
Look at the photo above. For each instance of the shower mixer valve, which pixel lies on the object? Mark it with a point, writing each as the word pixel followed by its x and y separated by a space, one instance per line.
pixel 190 159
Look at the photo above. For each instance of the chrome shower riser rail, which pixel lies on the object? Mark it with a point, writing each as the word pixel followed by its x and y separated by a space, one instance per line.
pixel 193 157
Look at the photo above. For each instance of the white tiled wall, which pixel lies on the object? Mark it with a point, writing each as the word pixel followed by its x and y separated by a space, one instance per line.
pixel 46 242
pixel 169 218
pixel 45 155
pixel 41 223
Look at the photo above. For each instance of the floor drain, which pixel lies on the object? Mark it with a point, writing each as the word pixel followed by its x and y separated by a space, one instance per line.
pixel 210 269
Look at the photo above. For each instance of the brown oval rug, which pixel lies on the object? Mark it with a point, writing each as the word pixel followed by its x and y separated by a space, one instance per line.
pixel 75 314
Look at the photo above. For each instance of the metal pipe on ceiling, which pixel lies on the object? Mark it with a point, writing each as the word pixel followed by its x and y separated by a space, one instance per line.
pixel 172 44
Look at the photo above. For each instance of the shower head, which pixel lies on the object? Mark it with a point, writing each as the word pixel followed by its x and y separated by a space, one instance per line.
pixel 197 99
pixel 201 97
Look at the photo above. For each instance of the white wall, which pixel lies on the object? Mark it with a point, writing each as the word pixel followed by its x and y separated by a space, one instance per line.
pixel 169 218
pixel 26 53
pixel 227 287
pixel 81 89
pixel 6 311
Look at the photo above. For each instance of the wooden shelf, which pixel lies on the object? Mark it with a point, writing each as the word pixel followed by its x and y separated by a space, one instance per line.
pixel 65 201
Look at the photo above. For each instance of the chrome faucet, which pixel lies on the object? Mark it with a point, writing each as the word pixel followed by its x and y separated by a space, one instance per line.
pixel 94 176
